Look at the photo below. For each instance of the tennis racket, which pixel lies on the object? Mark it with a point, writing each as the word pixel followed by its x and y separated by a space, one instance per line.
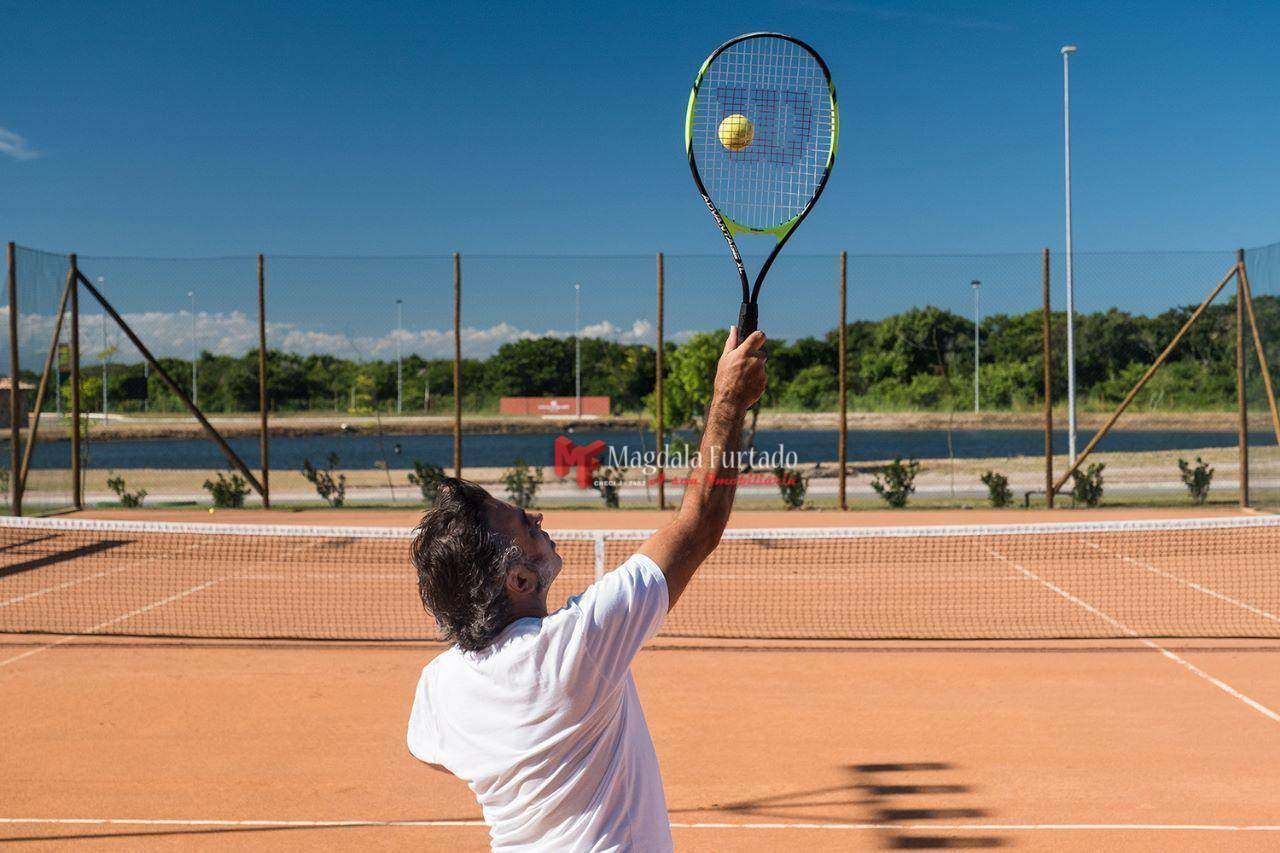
pixel 761 131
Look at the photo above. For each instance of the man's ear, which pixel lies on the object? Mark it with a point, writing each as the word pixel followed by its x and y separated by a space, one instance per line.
pixel 522 581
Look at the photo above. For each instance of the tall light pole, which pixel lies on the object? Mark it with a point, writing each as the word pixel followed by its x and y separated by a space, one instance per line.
pixel 977 337
pixel 101 279
pixel 1071 289
pixel 195 389
pixel 399 357
pixel 577 346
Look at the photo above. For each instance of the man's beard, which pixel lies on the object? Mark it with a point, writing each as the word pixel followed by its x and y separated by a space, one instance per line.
pixel 547 571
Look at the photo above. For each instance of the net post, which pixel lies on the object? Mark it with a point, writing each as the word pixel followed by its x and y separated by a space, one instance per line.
pixel 842 441
pixel 77 483
pixel 1047 355
pixel 15 433
pixel 659 411
pixel 263 437
pixel 457 365
pixel 1242 417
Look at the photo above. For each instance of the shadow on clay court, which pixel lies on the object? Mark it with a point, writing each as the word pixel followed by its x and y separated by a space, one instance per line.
pixel 884 794
pixel 892 795
pixel 39 558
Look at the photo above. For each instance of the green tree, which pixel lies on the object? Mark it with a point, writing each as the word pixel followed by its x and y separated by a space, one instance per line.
pixel 690 379
pixel 813 388
pixel 622 372
pixel 532 368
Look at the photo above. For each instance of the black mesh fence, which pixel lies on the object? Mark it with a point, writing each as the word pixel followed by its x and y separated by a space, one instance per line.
pixel 360 352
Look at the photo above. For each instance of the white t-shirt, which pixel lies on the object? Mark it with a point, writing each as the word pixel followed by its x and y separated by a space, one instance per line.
pixel 545 725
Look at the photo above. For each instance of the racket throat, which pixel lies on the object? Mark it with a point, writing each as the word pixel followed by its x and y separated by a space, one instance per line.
pixel 747 315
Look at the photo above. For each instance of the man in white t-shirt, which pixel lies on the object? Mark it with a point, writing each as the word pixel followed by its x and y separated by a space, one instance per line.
pixel 537 712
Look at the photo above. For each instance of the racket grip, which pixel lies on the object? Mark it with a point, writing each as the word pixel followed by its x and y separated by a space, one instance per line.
pixel 747 314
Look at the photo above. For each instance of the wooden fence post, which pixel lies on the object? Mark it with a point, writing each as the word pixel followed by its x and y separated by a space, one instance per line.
pixel 15 400
pixel 661 426
pixel 1048 386
pixel 842 448
pixel 1242 400
pixel 263 440
pixel 457 365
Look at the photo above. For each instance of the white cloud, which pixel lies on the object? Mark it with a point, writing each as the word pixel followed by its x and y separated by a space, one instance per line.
pixel 641 332
pixel 16 146
pixel 235 333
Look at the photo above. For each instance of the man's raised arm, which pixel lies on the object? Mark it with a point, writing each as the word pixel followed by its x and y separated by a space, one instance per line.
pixel 681 546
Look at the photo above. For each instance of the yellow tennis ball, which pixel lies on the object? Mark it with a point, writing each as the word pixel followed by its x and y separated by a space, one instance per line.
pixel 736 132
pixel 210 510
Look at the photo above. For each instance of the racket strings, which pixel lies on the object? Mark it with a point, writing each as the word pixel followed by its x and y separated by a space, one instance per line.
pixel 783 91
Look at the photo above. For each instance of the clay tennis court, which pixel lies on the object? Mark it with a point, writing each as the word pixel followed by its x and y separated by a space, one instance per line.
pixel 1092 731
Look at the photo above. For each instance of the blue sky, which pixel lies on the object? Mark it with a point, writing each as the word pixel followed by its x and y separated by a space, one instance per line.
pixel 380 128
pixel 183 129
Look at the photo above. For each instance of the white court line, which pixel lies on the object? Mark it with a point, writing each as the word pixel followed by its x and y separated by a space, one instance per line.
pixel 1257 611
pixel 945 827
pixel 96 628
pixel 109 622
pixel 1120 626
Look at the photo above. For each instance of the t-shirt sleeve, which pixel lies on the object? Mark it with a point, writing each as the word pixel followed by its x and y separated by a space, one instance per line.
pixel 618 614
pixel 423 737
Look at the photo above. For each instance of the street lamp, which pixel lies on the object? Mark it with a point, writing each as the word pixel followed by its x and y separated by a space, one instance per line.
pixel 1071 294
pixel 399 356
pixel 195 389
pixel 577 346
pixel 977 338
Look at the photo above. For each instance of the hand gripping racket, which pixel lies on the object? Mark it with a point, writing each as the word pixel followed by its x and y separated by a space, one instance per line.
pixel 761 131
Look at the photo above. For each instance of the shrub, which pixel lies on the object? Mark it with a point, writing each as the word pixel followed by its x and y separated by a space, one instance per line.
pixel 1087 488
pixel 128 499
pixel 998 491
pixel 896 481
pixel 428 478
pixel 227 492
pixel 608 482
pixel 332 489
pixel 792 485
pixel 1196 478
pixel 522 483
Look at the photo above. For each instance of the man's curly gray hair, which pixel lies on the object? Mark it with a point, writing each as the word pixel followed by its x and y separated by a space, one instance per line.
pixel 462 565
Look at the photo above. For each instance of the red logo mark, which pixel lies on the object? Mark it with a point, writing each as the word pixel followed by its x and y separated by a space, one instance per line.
pixel 569 455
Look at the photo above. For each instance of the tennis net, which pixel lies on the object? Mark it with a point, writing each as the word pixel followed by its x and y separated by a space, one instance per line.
pixel 1182 578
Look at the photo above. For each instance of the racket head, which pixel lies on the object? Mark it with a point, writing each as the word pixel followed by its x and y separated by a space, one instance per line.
pixel 761 131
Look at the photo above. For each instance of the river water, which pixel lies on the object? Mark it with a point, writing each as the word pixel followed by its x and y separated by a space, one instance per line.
pixel 498 450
